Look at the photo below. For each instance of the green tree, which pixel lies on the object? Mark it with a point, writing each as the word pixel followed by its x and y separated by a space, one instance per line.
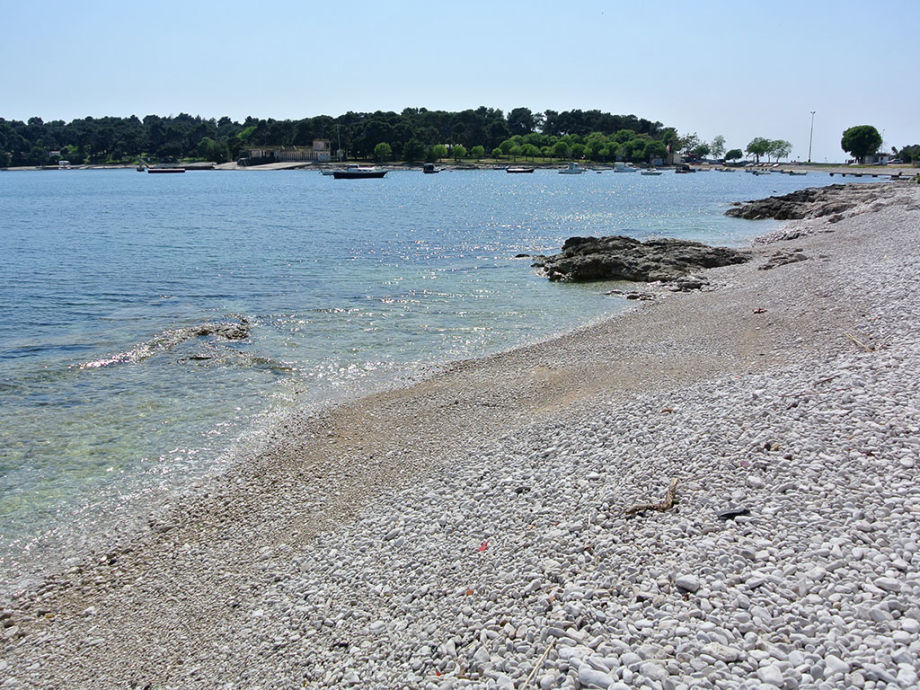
pixel 717 147
pixel 530 151
pixel 861 141
pixel 560 149
pixel 213 151
pixel 458 151
pixel 910 153
pixel 593 148
pixel 521 121
pixel 439 151
pixel 687 143
pixel 414 150
pixel 701 150
pixel 496 152
pixel 478 152
pixel 779 148
pixel 734 154
pixel 655 149
pixel 383 152
pixel 758 147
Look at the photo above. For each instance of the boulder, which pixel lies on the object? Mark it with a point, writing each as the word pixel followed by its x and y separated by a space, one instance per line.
pixel 615 257
pixel 814 202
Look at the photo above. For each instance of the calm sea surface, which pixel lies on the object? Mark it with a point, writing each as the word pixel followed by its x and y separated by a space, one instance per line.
pixel 109 401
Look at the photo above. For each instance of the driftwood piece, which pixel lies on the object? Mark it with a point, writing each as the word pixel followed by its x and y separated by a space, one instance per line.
pixel 866 348
pixel 664 505
pixel 539 664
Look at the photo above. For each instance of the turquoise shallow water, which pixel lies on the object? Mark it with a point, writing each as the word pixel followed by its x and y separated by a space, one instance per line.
pixel 107 401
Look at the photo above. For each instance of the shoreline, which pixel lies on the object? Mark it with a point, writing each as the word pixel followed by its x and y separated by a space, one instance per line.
pixel 896 172
pixel 264 519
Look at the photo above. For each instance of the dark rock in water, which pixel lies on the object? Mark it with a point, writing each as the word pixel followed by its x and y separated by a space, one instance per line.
pixel 616 257
pixel 225 329
pixel 814 202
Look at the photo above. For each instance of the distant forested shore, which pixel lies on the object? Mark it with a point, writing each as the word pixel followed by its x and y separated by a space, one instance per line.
pixel 415 134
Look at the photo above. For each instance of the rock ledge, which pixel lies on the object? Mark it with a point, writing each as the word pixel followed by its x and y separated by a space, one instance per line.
pixel 615 257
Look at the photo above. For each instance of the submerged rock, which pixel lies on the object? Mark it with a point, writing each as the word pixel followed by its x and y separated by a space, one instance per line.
pixel 225 329
pixel 616 257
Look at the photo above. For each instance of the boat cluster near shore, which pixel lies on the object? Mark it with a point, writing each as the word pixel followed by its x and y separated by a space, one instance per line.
pixel 364 171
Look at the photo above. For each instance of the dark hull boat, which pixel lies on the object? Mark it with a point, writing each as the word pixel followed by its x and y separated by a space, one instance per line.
pixel 358 173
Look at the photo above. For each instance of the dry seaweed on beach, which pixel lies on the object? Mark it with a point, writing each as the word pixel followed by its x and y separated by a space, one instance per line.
pixel 661 506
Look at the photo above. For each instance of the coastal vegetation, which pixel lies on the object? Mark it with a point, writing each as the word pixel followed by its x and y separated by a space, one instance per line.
pixel 909 154
pixel 861 141
pixel 414 134
pixel 771 148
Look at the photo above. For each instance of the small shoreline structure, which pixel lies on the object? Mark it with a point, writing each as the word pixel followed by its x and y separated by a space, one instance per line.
pixel 501 524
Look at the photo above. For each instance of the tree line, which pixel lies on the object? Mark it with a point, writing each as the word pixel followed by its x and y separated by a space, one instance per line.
pixel 415 134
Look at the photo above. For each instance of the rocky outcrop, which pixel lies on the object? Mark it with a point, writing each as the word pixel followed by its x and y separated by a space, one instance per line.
pixel 815 202
pixel 585 259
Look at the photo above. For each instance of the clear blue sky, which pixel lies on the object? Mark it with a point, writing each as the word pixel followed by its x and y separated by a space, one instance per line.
pixel 737 68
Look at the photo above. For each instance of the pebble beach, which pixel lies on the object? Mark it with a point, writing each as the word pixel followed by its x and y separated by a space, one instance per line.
pixel 475 530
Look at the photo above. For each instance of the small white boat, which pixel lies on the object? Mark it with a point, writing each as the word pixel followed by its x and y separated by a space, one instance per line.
pixel 358 172
pixel 622 167
pixel 519 170
pixel 650 171
pixel 573 169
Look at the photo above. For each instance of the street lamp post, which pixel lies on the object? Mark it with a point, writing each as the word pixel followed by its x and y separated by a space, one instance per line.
pixel 810 133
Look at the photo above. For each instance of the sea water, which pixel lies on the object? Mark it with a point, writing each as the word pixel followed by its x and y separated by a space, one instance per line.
pixel 113 394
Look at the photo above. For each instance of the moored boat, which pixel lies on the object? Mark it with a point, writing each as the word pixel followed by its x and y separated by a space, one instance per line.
pixel 358 172
pixel 165 170
pixel 519 170
pixel 429 169
pixel 650 171
pixel 573 169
